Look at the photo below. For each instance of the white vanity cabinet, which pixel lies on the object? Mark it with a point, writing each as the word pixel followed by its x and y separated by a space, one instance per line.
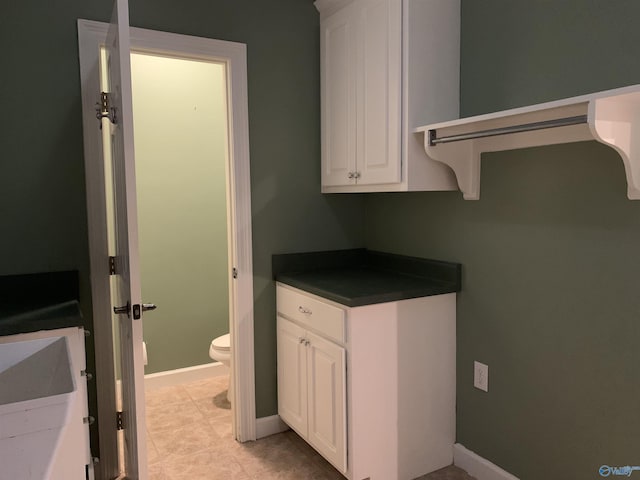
pixel 371 388
pixel 385 66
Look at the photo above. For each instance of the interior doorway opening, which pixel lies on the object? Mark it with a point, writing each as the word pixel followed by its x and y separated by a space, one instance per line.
pixel 181 150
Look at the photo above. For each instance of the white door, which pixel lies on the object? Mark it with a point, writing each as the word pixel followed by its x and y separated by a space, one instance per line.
pixel 292 375
pixel 327 402
pixel 127 263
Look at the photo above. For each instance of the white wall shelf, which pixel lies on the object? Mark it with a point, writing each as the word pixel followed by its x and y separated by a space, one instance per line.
pixel 611 117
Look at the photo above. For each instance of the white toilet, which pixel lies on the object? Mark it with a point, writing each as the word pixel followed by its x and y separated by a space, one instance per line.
pixel 220 351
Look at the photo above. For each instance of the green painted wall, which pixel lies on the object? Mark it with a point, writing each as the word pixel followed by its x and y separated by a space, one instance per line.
pixel 42 194
pixel 550 251
pixel 180 126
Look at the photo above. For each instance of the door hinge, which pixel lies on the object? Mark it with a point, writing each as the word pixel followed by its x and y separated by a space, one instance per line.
pixel 119 421
pixel 234 272
pixel 112 265
pixel 104 109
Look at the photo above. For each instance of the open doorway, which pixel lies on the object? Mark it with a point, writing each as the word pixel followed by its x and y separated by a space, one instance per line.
pixel 239 272
pixel 180 125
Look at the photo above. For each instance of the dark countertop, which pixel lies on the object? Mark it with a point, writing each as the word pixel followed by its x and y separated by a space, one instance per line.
pixel 29 319
pixel 361 277
pixel 40 301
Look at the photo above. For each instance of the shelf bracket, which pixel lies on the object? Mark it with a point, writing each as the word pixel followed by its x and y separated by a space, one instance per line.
pixel 615 121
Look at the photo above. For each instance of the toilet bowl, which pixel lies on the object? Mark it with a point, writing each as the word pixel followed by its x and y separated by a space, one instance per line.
pixel 220 351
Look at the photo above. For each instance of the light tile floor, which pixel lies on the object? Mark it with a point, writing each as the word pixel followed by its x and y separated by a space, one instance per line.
pixel 189 438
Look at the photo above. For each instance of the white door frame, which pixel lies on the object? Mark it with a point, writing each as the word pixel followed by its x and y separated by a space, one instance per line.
pixel 91 36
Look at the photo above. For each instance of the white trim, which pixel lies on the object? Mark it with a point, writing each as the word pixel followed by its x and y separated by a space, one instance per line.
pixel 477 466
pixel 90 36
pixel 170 378
pixel 267 426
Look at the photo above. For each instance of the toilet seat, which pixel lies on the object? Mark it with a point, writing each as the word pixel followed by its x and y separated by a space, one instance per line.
pixel 222 343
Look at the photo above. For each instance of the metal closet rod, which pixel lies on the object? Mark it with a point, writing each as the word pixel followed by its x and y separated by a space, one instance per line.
pixel 493 132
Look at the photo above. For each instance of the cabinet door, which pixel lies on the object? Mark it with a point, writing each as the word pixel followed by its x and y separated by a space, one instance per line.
pixel 379 86
pixel 338 84
pixel 326 387
pixel 292 375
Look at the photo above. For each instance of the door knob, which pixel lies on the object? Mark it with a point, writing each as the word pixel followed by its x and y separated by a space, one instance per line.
pixel 136 309
pixel 124 309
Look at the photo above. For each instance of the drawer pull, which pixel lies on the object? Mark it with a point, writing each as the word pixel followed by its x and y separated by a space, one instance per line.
pixel 304 310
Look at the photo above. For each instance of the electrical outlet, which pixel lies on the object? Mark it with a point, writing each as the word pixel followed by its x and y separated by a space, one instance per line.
pixel 481 376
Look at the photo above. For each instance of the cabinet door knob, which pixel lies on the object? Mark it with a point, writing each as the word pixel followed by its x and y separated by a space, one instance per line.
pixel 351 175
pixel 302 340
pixel 304 310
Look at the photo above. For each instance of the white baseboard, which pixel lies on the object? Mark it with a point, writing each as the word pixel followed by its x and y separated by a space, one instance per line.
pixel 171 378
pixel 270 426
pixel 478 467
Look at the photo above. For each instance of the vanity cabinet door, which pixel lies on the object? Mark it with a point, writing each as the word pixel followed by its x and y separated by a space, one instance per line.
pixel 292 375
pixel 326 387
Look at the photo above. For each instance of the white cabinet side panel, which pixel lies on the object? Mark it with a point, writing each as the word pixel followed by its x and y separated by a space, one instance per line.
pixel 431 85
pixel 426 384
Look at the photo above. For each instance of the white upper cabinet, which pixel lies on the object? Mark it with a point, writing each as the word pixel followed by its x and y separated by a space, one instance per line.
pixel 387 66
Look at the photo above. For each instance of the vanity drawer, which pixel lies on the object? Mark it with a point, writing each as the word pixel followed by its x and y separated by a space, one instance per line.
pixel 310 312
